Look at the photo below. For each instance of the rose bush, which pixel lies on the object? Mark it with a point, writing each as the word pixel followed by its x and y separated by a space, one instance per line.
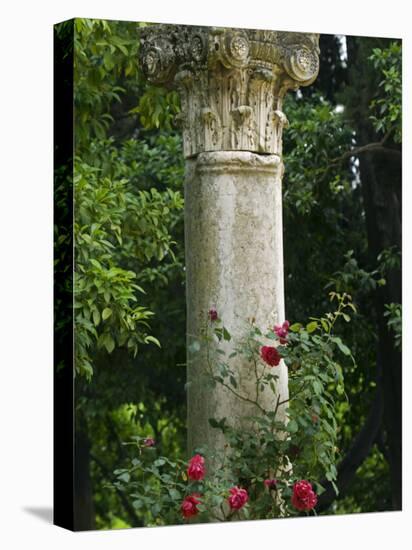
pixel 272 469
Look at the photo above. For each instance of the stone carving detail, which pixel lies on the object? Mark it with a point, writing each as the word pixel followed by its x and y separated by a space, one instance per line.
pixel 231 82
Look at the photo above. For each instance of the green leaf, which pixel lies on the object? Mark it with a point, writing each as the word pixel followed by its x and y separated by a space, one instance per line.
pixel 344 349
pixel 340 389
pixel 319 488
pixel 216 500
pixel 106 313
pixel 124 477
pixel 108 343
pixel 108 61
pixel 325 325
pixel 295 327
pixel 218 423
pixel 96 317
pixel 317 387
pixel 312 326
pixel 226 334
pixel 156 509
pixel 95 263
pixel 153 340
pixel 174 494
pixel 335 487
pixel 292 426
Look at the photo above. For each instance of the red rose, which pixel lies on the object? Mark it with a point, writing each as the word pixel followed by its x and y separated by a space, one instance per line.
pixel 149 442
pixel 189 505
pixel 212 314
pixel 270 355
pixel 196 469
pixel 270 483
pixel 282 331
pixel 238 498
pixel 303 497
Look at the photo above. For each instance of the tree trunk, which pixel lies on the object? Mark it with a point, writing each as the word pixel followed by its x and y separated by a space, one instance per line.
pixel 84 515
pixel 381 189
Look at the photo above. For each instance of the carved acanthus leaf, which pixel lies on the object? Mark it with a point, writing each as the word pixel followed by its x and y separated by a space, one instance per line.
pixel 231 81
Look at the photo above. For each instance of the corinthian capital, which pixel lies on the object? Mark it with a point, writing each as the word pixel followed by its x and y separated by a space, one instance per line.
pixel 231 81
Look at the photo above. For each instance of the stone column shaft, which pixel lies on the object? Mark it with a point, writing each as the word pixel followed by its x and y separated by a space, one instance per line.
pixel 234 262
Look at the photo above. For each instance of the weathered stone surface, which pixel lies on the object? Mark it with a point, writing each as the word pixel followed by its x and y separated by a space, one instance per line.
pixel 231 82
pixel 234 262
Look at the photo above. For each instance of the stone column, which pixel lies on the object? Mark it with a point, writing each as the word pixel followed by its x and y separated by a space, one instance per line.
pixel 231 84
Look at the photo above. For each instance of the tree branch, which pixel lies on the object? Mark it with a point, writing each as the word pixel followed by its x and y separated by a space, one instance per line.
pixel 378 146
pixel 370 147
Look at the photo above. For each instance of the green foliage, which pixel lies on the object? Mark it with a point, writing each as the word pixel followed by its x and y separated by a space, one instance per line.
pixel 367 495
pixel 158 108
pixel 146 478
pixel 317 359
pixel 104 53
pixel 105 71
pixel 109 217
pixel 387 106
pixel 393 312
pixel 317 133
pixel 353 278
pixel 389 259
pixel 120 228
pixel 63 250
pixel 322 203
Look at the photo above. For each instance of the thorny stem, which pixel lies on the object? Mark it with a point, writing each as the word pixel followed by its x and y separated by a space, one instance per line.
pixel 242 397
pixel 257 379
pixel 341 306
pixel 227 386
pixel 278 402
pixel 300 390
